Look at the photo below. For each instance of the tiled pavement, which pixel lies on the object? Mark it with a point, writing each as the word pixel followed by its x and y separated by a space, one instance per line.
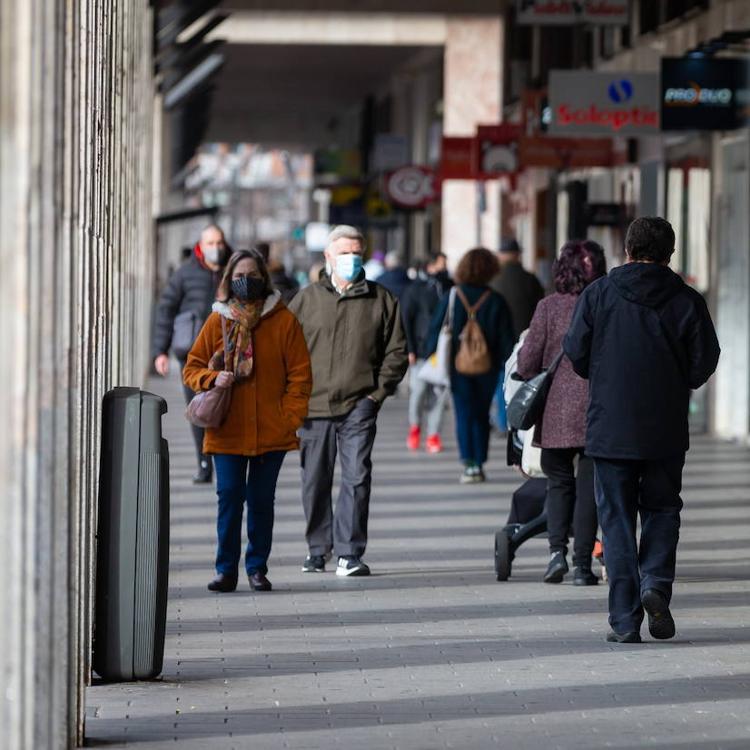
pixel 431 651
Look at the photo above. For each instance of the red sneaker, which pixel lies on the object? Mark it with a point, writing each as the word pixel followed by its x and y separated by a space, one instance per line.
pixel 412 441
pixel 434 444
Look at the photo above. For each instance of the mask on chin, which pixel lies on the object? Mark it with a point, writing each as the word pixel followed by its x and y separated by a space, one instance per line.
pixel 348 266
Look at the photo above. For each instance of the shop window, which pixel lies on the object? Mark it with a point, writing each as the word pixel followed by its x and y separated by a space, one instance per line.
pixel 699 217
pixel 689 213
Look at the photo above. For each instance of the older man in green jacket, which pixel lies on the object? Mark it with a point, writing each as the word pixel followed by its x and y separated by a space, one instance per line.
pixel 358 350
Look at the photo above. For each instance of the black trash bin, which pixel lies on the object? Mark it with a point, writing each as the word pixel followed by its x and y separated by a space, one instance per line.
pixel 132 551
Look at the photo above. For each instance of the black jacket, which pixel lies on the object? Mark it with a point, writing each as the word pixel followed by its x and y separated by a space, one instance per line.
pixel 285 285
pixel 521 291
pixel 191 287
pixel 493 317
pixel 396 281
pixel 417 307
pixel 644 339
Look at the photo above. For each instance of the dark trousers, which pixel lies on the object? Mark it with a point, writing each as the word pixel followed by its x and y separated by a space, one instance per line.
pixel 472 400
pixel 197 431
pixel 570 500
pixel 240 480
pixel 625 489
pixel 351 437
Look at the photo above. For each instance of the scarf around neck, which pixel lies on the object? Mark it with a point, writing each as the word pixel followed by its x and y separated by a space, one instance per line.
pixel 242 318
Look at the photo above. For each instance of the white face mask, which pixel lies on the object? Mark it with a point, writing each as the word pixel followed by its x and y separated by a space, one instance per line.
pixel 212 255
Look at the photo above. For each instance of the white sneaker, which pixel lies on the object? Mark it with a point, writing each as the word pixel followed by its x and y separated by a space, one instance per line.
pixel 351 566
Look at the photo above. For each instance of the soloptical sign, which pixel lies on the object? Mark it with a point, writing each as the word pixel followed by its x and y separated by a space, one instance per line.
pixel 603 104
pixel 568 12
pixel 705 93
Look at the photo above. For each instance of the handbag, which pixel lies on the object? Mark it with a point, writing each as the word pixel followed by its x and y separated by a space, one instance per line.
pixel 436 369
pixel 527 405
pixel 185 329
pixel 209 408
pixel 531 456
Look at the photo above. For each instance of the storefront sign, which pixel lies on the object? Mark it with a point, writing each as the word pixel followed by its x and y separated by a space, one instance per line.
pixel 604 214
pixel 704 93
pixel 456 158
pixel 564 153
pixel 411 187
pixel 584 103
pixel 569 12
pixel 495 150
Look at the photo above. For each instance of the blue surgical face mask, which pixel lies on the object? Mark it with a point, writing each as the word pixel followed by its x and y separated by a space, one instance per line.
pixel 348 266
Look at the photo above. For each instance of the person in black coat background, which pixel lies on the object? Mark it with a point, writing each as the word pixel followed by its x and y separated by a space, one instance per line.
pixel 190 289
pixel 644 339
pixel 418 303
pixel 472 394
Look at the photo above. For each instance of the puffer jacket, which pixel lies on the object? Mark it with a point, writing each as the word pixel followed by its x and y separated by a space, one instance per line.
pixel 356 342
pixel 191 287
pixel 268 407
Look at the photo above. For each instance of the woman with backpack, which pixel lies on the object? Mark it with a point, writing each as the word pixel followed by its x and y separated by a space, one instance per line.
pixel 562 430
pixel 481 330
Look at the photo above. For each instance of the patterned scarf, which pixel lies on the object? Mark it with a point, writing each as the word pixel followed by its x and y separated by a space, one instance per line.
pixel 240 354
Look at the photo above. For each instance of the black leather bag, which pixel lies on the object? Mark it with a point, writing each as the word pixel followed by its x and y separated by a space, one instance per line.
pixel 527 405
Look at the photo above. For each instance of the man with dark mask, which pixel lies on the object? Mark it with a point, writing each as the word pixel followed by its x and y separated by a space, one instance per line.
pixel 418 304
pixel 184 305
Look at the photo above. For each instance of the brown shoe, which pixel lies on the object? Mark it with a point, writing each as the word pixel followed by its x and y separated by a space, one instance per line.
pixel 259 582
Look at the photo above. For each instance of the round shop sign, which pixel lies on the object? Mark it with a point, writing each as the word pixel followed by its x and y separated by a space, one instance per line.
pixel 411 187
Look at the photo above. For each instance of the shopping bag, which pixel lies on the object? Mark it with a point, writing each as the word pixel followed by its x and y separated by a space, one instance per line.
pixel 436 369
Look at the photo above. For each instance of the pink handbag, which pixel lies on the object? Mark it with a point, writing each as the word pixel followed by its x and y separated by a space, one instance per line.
pixel 209 408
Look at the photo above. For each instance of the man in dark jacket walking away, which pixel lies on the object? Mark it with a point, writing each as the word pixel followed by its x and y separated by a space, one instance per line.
pixel 183 307
pixel 522 291
pixel 418 304
pixel 644 339
pixel 353 331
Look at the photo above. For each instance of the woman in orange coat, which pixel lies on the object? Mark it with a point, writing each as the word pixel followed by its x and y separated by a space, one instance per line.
pixel 268 370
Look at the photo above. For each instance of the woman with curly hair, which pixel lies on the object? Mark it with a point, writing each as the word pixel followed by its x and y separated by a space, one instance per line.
pixel 472 394
pixel 561 432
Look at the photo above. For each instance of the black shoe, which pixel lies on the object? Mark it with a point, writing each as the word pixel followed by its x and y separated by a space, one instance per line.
pixel 259 582
pixel 351 566
pixel 223 583
pixel 557 568
pixel 582 576
pixel 205 473
pixel 315 564
pixel 631 637
pixel 660 622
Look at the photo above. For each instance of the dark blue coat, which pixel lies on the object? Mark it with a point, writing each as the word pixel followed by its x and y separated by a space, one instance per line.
pixel 494 319
pixel 644 339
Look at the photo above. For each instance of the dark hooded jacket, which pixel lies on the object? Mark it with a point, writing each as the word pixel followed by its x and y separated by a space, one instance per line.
pixel 191 287
pixel 644 339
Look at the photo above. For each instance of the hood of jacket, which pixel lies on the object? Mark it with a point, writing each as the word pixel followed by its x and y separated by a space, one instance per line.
pixel 269 306
pixel 647 284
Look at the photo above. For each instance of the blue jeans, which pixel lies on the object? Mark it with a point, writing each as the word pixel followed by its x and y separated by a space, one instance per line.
pixel 472 399
pixel 625 490
pixel 502 418
pixel 240 480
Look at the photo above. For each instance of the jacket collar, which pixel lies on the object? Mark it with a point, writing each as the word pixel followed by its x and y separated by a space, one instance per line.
pixel 268 306
pixel 358 288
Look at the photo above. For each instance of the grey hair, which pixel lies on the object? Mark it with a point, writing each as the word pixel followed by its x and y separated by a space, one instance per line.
pixel 346 232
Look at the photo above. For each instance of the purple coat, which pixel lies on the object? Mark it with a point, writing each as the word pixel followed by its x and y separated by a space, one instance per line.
pixel 564 421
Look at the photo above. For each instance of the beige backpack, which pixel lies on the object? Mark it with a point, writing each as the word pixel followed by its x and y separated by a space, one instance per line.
pixel 473 356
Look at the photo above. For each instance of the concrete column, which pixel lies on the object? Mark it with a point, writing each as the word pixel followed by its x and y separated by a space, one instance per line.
pixel 76 96
pixel 472 88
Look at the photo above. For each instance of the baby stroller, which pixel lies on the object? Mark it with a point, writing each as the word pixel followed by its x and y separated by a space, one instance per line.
pixel 527 518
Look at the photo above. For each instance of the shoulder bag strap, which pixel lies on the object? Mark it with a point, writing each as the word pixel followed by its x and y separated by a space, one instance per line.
pixel 555 363
pixel 224 336
pixel 448 318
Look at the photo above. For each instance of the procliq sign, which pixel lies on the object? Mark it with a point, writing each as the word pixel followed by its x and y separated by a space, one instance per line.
pixel 584 103
pixel 704 93
pixel 568 12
